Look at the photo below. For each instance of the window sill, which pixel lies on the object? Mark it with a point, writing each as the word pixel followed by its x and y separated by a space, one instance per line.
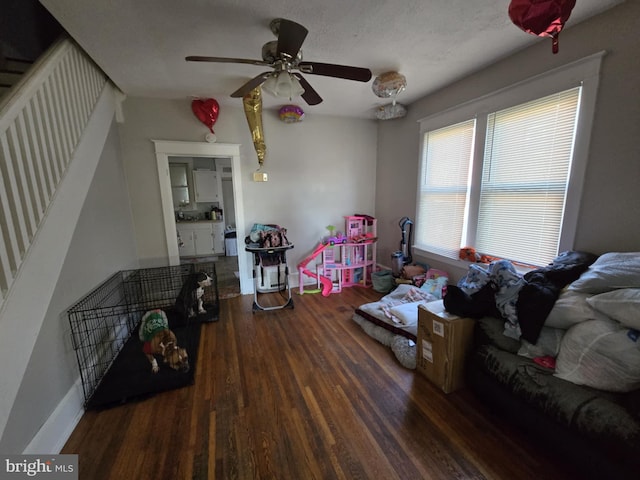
pixel 462 265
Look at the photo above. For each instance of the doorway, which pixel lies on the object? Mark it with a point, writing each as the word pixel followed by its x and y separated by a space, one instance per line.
pixel 166 149
pixel 206 207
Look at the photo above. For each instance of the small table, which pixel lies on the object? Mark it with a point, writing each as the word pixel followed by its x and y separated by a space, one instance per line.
pixel 270 257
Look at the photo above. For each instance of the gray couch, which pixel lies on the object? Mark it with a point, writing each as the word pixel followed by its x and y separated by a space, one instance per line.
pixel 598 431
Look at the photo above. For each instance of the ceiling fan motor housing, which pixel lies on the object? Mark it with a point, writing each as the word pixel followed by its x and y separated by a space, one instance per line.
pixel 270 53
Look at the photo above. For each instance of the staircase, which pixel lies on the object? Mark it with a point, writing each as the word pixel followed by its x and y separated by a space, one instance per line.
pixel 54 120
pixel 11 71
pixel 42 119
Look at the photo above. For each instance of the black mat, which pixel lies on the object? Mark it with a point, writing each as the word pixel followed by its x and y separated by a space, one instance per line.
pixel 130 377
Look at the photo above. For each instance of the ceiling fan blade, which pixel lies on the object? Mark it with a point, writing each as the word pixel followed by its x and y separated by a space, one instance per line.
pixel 197 58
pixel 290 37
pixel 339 71
pixel 310 95
pixel 251 84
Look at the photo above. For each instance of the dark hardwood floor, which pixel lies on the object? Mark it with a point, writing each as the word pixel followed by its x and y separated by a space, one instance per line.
pixel 302 394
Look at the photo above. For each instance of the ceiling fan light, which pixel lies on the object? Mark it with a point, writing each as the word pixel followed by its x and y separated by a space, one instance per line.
pixel 269 85
pixel 288 86
pixel 296 88
pixel 283 84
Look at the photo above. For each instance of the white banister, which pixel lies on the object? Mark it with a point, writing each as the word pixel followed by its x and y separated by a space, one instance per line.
pixel 41 123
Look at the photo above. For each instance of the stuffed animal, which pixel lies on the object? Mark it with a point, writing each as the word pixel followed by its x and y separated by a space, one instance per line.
pixel 273 238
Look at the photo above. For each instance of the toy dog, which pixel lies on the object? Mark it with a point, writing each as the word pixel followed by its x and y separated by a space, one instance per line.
pixel 159 340
pixel 189 301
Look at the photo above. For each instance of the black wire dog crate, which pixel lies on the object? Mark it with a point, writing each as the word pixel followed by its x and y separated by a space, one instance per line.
pixel 104 326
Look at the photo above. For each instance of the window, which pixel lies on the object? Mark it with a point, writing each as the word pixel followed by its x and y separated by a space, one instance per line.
pixel 503 174
pixel 444 193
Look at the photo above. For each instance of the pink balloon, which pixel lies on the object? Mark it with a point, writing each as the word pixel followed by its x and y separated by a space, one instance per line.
pixel 207 111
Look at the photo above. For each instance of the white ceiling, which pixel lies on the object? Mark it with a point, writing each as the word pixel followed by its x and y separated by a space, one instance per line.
pixel 141 44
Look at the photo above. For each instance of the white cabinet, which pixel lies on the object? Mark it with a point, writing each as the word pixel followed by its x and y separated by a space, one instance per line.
pixel 179 184
pixel 186 245
pixel 196 239
pixel 218 238
pixel 201 238
pixel 205 186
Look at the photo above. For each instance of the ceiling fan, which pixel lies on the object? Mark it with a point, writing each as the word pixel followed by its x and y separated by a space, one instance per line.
pixel 284 56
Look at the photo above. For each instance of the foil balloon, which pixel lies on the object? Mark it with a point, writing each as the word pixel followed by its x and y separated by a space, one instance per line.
pixel 291 114
pixel 252 103
pixel 206 111
pixel 389 84
pixel 391 111
pixel 544 18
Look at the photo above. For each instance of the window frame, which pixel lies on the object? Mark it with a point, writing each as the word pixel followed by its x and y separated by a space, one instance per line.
pixel 584 72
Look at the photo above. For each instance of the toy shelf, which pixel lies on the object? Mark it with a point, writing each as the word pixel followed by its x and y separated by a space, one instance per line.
pixel 352 262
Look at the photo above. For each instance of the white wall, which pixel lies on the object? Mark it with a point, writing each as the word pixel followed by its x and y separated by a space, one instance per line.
pixel 319 170
pixel 610 206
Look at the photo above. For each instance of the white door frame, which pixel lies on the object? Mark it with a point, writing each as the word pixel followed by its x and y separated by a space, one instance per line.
pixel 164 150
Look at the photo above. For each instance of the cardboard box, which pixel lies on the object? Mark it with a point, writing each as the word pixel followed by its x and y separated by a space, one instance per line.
pixel 443 342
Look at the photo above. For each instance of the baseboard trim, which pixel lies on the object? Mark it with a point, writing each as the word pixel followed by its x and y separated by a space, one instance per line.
pixel 55 432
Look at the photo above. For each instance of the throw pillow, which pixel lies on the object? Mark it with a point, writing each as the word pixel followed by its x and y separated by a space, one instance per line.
pixel 571 308
pixel 407 313
pixel 600 354
pixel 610 271
pixel 622 305
pixel 435 286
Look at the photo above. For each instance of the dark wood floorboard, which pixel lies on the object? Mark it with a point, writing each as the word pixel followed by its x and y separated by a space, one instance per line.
pixel 303 393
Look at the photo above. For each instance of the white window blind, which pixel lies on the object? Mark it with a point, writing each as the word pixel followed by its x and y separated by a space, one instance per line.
pixel 525 172
pixel 444 187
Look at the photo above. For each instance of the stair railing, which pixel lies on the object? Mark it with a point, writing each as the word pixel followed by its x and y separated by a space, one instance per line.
pixel 41 122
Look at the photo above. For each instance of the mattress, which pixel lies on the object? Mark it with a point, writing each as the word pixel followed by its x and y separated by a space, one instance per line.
pixel 393 320
pixel 371 313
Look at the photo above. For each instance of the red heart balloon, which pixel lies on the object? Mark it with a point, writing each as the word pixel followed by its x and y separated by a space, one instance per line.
pixel 544 18
pixel 206 111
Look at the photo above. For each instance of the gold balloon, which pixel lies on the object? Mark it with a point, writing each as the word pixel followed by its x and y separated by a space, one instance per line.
pixel 252 102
